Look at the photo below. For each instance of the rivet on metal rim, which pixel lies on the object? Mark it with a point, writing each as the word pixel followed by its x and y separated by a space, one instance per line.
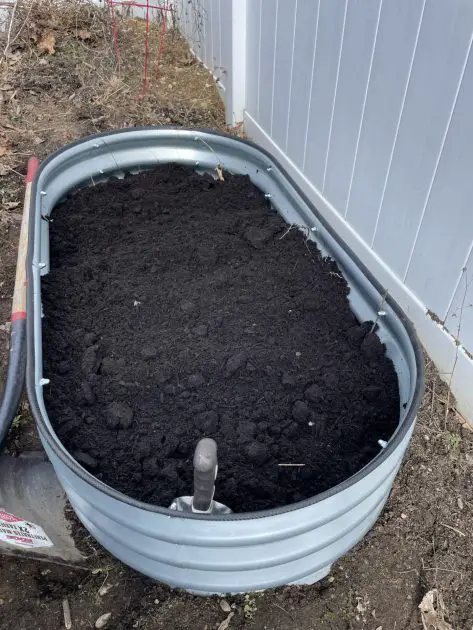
pixel 43 193
pixel 269 169
pixel 96 145
pixel 41 265
pixel 381 313
pixel 267 196
pixel 44 381
pixel 101 171
pixel 197 163
pixel 314 228
pixel 382 443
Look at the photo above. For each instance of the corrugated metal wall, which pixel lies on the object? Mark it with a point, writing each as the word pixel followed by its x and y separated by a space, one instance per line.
pixel 369 105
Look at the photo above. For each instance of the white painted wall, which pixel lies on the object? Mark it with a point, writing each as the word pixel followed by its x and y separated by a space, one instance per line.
pixel 367 103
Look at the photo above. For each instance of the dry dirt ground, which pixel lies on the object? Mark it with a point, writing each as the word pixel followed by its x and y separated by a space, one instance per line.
pixel 423 540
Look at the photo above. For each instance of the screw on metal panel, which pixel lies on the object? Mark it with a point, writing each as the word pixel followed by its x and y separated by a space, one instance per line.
pixel 269 169
pixel 96 146
pixel 43 193
pixel 44 381
pixel 314 229
pixel 196 138
pixel 267 196
pixel 381 313
pixel 382 443
pixel 101 171
pixel 41 265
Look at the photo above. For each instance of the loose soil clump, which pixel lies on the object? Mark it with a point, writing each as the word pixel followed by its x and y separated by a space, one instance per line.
pixel 180 307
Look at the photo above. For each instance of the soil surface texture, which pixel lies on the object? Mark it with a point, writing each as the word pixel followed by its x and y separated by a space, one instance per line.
pixel 180 307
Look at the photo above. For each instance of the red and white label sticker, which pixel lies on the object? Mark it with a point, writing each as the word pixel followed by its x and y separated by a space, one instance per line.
pixel 20 533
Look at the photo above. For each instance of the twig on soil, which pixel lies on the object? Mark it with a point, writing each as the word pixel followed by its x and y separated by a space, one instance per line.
pixel 454 529
pixel 379 311
pixel 284 610
pixel 67 614
pixel 220 161
pixel 292 465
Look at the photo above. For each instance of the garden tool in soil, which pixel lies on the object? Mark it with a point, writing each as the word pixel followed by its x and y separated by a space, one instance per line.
pixel 205 473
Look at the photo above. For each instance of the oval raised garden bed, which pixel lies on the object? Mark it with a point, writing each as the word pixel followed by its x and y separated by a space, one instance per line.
pixel 181 306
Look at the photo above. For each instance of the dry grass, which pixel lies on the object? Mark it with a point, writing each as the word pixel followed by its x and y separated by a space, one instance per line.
pixel 60 80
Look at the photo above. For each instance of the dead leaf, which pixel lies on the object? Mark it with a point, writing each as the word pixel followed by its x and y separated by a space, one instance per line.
pixel 432 610
pixel 83 34
pixel 226 622
pixel 225 606
pixel 47 42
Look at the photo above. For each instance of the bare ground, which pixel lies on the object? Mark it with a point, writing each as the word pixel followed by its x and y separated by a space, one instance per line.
pixel 422 541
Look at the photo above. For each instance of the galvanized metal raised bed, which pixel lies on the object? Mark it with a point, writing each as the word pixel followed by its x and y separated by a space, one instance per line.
pixel 234 552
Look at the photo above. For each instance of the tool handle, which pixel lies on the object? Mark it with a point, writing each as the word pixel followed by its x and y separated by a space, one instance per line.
pixel 205 472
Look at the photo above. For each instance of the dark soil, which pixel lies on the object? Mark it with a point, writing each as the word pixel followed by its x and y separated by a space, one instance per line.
pixel 180 307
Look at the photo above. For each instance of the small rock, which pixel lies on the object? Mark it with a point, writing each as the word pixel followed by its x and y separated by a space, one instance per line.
pixel 119 414
pixel 234 363
pixel 195 380
pixel 200 331
pixel 89 361
pixel 300 411
pixel 137 193
pixel 257 453
pixel 187 306
pixel 103 620
pixel 89 339
pixel 257 237
pixel 207 421
pixel 111 367
pixel 225 606
pixel 313 393
pixel 149 352
pixel 87 393
pixel 63 367
pixel 85 460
